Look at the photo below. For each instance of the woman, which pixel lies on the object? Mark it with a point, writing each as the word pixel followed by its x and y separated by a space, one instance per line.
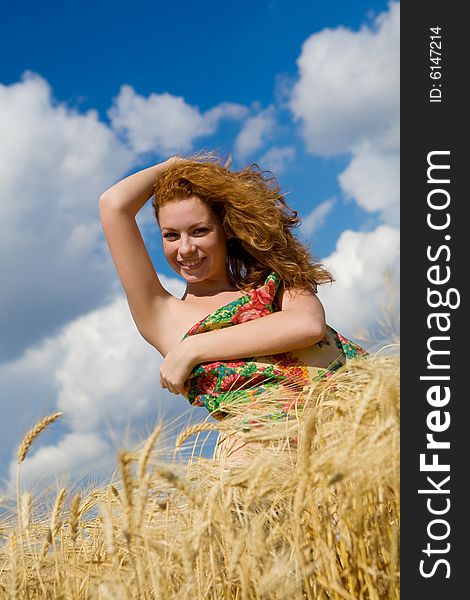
pixel 228 235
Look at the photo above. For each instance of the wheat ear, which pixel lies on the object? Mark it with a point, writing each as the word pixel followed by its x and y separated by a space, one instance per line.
pixel 184 435
pixel 173 479
pixel 145 455
pixel 25 506
pixel 33 434
pixel 74 517
pixel 56 520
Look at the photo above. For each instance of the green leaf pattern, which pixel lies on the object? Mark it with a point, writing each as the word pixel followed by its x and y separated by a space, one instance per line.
pixel 219 383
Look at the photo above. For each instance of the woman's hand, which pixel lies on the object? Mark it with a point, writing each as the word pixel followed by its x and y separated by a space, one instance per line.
pixel 173 160
pixel 176 368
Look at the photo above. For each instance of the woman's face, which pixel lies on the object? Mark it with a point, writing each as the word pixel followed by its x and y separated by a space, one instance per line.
pixel 194 242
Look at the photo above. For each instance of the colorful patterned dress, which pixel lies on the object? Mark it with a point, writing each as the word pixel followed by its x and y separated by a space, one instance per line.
pixel 218 384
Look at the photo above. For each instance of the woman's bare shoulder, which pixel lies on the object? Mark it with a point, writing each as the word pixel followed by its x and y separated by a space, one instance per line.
pixel 175 317
pixel 170 317
pixel 296 297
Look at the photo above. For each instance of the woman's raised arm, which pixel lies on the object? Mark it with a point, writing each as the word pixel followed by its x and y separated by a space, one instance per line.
pixel 118 207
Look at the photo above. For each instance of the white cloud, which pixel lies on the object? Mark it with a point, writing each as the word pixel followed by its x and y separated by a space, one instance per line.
pixel 68 339
pixel 276 158
pixel 54 163
pixel 346 101
pixel 105 379
pixel 358 264
pixel 254 133
pixel 105 371
pixel 165 123
pixel 372 178
pixel 72 454
pixel 348 87
pixel 316 218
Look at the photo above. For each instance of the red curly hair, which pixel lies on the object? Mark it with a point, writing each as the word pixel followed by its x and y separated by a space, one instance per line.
pixel 254 215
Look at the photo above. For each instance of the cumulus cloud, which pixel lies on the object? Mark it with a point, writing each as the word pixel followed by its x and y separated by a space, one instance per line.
pixel 68 340
pixel 255 132
pixel 346 102
pixel 105 379
pixel 358 264
pixel 348 86
pixel 372 178
pixel 316 218
pixel 71 454
pixel 54 163
pixel 277 157
pixel 165 123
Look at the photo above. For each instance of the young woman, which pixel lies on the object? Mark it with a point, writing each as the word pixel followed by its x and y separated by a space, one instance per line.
pixel 228 235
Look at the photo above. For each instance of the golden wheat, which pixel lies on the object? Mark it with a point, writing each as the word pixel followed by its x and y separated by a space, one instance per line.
pixel 56 518
pixel 147 451
pixel 74 517
pixel 189 431
pixel 318 519
pixel 33 434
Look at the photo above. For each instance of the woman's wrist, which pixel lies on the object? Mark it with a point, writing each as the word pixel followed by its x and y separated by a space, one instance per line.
pixel 209 347
pixel 194 348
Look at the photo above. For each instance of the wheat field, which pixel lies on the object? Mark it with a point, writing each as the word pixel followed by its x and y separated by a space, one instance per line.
pixel 310 510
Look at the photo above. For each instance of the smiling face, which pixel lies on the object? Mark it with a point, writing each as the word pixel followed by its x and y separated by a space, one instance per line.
pixel 194 242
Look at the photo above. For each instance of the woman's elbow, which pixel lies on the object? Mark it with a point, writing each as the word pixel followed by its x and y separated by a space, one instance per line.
pixel 316 330
pixel 103 203
pixel 109 202
pixel 105 199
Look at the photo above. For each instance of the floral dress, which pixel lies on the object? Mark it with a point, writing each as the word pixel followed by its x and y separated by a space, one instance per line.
pixel 217 384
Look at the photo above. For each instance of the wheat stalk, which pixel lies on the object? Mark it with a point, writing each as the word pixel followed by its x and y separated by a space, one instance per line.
pixel 325 525
pixel 14 572
pixel 22 452
pixel 141 500
pixel 144 457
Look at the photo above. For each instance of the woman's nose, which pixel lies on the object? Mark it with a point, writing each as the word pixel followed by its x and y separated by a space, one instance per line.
pixel 187 246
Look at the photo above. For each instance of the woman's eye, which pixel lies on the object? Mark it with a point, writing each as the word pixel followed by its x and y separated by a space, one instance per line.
pixel 169 236
pixel 200 230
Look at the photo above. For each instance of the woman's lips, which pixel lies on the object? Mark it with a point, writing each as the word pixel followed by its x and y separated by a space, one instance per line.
pixel 192 267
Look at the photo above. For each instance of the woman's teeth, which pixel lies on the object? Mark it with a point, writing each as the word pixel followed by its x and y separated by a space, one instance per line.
pixel 191 264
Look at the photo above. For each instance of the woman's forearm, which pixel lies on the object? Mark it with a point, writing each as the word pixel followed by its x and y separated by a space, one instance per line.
pixel 131 193
pixel 282 331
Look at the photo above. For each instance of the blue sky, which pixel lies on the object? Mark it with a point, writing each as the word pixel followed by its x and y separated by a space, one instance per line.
pixel 90 92
pixel 210 53
pixel 206 52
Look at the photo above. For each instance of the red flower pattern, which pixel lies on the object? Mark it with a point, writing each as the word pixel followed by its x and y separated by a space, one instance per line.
pixel 207 384
pixel 258 306
pixel 229 381
pixel 215 379
pixel 248 313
